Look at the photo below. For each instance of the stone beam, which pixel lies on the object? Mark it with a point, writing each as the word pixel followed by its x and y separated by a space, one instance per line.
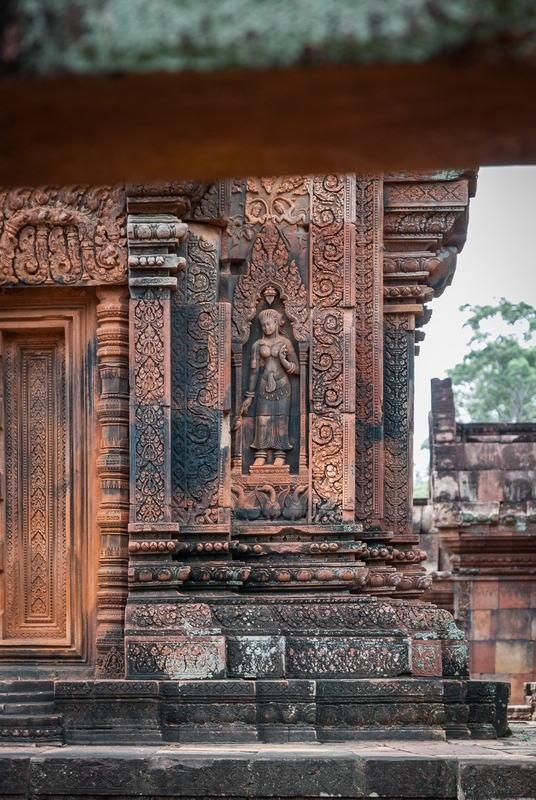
pixel 321 119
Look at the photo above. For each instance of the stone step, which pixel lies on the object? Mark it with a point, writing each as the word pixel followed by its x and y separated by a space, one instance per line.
pixel 30 709
pixel 27 697
pixel 26 686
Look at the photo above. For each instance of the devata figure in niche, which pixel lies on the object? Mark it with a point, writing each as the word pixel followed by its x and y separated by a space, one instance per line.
pixel 272 357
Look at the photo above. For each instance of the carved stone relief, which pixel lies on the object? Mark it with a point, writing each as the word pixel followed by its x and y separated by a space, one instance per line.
pixel 199 348
pixel 113 516
pixel 62 235
pixel 36 536
pixel 45 534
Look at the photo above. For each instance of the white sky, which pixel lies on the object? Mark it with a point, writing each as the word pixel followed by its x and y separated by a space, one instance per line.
pixel 498 260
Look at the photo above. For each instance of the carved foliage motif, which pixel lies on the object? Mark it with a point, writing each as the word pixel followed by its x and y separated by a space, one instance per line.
pixel 62 235
pixel 36 487
pixel 149 414
pixel 330 286
pixel 367 348
pixel 398 342
pixel 196 417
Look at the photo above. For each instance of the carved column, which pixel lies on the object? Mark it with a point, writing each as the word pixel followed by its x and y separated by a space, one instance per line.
pixel 151 528
pixel 112 409
pixel 425 224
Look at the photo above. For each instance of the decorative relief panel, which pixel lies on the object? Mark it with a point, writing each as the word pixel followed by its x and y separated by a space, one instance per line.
pixel 149 379
pixel 433 193
pixel 332 393
pixel 368 348
pixel 36 487
pixel 398 422
pixel 62 235
pixel 270 334
pixel 199 336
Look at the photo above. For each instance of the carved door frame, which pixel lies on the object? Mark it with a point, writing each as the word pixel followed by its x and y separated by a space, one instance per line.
pixel 71 318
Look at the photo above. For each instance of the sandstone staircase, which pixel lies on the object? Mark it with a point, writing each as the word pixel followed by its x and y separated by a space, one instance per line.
pixel 27 713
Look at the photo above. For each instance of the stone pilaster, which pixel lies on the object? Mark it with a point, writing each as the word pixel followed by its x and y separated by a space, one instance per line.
pixel 112 410
pixel 152 530
pixel 425 218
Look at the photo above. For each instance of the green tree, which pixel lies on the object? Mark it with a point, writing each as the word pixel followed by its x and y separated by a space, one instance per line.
pixel 496 381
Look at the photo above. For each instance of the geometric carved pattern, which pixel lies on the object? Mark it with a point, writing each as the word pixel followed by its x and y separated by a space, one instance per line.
pixel 62 235
pixel 35 420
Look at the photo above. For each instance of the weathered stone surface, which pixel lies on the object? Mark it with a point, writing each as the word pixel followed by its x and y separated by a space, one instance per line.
pixel 256 656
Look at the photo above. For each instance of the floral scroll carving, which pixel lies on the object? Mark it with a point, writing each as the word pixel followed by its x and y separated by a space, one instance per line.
pixel 198 334
pixel 368 343
pixel 62 235
pixel 332 323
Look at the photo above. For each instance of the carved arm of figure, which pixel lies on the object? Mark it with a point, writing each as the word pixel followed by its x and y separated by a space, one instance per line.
pixel 288 360
pixel 253 376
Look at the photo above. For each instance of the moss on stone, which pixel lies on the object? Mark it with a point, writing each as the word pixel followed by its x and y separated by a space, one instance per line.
pixel 103 36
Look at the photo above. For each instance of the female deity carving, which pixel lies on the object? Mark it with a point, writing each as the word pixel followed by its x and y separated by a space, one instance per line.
pixel 272 359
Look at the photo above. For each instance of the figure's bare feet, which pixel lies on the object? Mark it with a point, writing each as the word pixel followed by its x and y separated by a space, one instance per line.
pixel 259 461
pixel 279 461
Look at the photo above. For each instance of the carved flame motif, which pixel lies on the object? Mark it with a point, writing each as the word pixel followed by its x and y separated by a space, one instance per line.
pixel 269 268
pixel 62 235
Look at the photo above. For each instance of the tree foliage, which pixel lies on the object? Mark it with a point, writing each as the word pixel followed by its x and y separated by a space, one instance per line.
pixel 496 381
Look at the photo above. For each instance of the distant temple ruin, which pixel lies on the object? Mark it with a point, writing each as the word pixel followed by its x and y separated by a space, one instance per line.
pixel 479 529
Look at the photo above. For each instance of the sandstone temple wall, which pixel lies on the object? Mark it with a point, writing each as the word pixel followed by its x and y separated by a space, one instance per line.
pixel 479 528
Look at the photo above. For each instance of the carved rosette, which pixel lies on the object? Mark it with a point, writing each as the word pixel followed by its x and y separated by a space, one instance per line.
pixel 113 516
pixel 62 235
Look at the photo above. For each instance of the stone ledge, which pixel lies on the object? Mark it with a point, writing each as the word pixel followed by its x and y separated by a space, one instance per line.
pixel 436 770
